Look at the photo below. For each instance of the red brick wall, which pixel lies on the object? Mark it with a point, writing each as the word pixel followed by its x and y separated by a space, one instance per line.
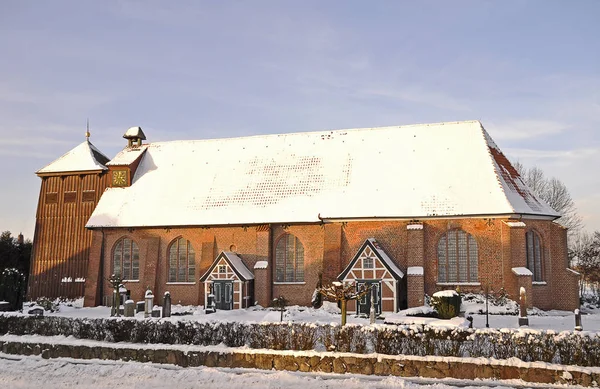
pixel 312 238
pixel 489 243
pixel 329 248
pixel 560 291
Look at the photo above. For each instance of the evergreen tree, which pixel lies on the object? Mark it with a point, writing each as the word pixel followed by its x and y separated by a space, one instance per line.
pixel 15 256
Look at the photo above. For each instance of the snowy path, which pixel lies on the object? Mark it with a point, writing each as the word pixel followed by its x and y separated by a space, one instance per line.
pixel 35 372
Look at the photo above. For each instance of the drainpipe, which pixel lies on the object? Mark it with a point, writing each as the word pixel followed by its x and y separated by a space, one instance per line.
pixel 271 265
pixel 101 280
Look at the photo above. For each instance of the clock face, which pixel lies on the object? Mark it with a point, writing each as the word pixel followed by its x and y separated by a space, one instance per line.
pixel 119 178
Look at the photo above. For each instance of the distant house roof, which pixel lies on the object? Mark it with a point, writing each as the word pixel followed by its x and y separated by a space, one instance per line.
pixel 419 171
pixel 85 157
pixel 236 264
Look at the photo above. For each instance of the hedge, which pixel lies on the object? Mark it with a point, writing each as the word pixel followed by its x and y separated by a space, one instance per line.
pixel 567 347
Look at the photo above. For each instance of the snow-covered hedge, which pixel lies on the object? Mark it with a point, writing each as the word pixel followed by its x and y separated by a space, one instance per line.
pixel 573 348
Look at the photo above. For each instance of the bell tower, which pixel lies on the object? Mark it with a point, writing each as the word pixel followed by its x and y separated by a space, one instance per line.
pixel 71 188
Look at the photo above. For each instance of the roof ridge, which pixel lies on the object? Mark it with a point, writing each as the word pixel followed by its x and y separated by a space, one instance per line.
pixel 316 132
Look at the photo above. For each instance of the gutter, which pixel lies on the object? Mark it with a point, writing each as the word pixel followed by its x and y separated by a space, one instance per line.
pixel 518 216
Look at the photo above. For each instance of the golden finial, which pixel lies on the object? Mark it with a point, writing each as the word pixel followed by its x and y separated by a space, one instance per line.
pixel 87 132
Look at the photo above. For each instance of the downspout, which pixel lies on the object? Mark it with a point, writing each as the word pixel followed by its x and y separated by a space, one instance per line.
pixel 271 262
pixel 101 280
pixel 502 245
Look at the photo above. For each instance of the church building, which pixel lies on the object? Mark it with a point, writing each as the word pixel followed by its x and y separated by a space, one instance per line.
pixel 408 210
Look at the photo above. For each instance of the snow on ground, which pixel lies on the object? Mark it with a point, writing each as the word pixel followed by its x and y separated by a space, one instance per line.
pixel 329 313
pixel 18 371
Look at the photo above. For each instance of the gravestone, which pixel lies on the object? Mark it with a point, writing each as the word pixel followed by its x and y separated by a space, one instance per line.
pixel 139 306
pixel 166 307
pixel 129 310
pixel 578 326
pixel 149 299
pixel 470 320
pixel 523 319
pixel 156 311
pixel 4 306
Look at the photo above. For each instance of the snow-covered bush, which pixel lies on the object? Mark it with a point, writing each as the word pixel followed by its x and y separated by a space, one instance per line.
pixel 567 347
pixel 446 303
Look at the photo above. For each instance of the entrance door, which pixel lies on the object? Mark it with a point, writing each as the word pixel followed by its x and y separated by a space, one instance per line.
pixel 223 291
pixel 364 304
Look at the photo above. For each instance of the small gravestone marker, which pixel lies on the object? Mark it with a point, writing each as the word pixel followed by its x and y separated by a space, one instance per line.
pixel 140 306
pixel 210 304
pixel 4 306
pixel 279 303
pixel 166 308
pixel 578 326
pixel 149 299
pixel 523 319
pixel 129 310
pixel 156 311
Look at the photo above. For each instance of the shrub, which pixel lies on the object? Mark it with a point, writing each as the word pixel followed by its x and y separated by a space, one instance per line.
pixel 12 287
pixel 567 347
pixel 446 303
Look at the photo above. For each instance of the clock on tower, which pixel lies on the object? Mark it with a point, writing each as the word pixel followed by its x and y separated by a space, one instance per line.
pixel 119 178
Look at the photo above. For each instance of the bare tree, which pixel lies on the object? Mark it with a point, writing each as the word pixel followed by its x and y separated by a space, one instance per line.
pixel 584 255
pixel 555 193
pixel 343 292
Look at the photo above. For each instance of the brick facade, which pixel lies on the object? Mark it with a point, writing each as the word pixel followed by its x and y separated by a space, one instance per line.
pixel 329 247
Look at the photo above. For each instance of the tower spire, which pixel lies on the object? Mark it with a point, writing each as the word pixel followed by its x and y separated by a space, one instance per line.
pixel 87 132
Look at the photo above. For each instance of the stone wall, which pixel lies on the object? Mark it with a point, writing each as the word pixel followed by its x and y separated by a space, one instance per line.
pixel 327 362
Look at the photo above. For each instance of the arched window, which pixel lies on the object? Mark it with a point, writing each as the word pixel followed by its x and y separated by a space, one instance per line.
pixel 534 255
pixel 126 259
pixel 289 259
pixel 457 257
pixel 182 261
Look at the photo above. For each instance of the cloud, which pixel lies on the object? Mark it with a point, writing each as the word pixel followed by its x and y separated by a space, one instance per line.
pixel 552 154
pixel 525 129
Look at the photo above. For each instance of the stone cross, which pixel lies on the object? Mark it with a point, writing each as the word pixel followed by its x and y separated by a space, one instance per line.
pixel 166 308
pixel 523 319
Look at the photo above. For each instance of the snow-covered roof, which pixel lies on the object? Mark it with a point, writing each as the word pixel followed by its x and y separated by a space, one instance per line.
pixel 418 171
pixel 134 132
pixel 85 157
pixel 236 264
pixel 127 156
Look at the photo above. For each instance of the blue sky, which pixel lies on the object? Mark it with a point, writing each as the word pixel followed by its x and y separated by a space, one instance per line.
pixel 529 70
